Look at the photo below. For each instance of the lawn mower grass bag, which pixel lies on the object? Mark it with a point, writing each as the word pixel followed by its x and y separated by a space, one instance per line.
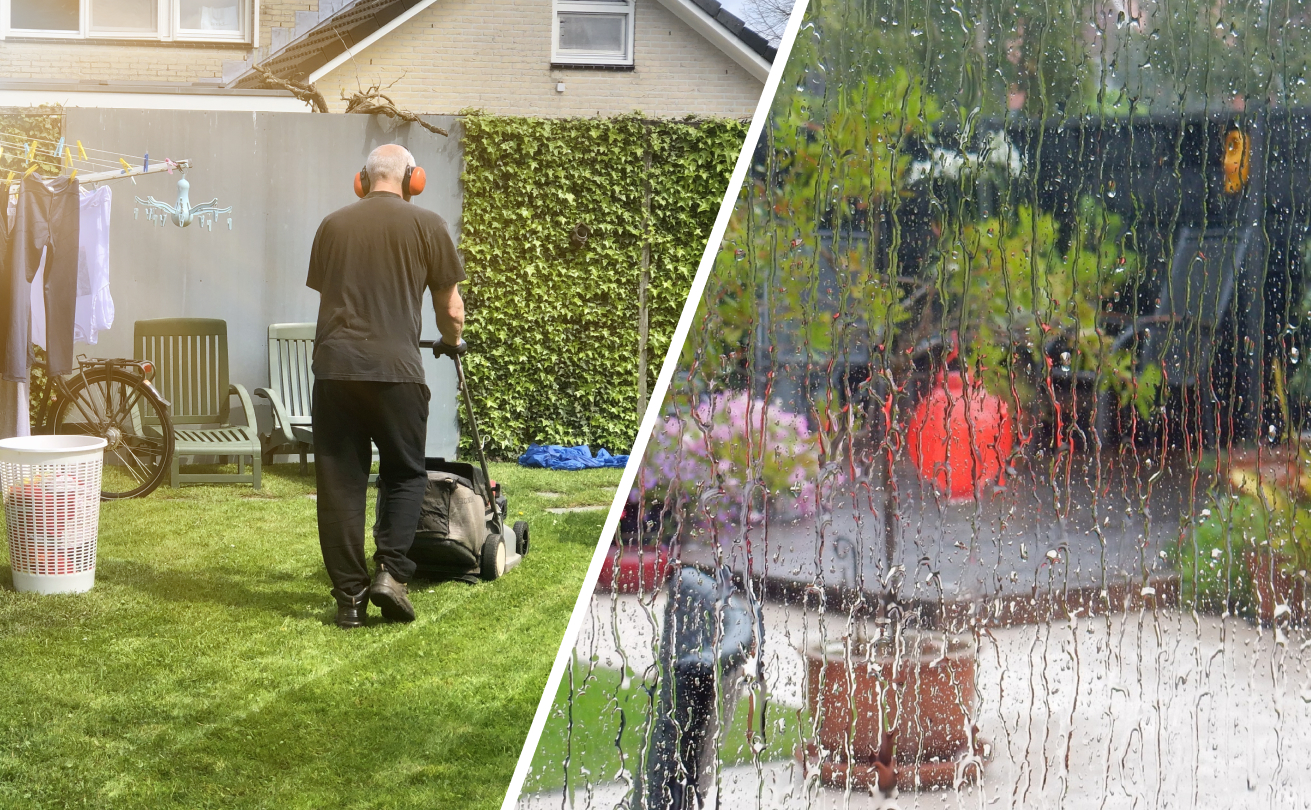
pixel 453 524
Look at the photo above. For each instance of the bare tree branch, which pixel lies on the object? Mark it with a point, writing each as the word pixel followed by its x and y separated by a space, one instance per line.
pixel 305 91
pixel 373 102
pixel 768 17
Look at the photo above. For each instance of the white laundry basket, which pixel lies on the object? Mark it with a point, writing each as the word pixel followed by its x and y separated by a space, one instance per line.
pixel 51 487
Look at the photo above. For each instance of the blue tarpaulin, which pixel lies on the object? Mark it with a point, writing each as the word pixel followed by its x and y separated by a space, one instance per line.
pixel 555 457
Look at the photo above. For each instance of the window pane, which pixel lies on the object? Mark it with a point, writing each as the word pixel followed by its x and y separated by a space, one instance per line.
pixel 44 15
pixel 124 15
pixel 593 33
pixel 984 477
pixel 210 15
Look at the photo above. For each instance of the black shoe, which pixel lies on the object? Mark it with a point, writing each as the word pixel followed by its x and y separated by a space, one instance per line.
pixel 390 596
pixel 351 610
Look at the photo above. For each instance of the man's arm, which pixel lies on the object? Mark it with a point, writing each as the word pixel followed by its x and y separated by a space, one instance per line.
pixel 449 308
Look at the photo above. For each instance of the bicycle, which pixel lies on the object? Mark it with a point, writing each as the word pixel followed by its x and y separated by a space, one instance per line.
pixel 114 400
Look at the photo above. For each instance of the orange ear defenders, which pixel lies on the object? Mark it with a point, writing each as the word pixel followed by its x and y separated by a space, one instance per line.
pixel 413 183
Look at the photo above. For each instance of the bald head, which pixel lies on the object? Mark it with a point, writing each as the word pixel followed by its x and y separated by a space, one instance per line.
pixel 386 166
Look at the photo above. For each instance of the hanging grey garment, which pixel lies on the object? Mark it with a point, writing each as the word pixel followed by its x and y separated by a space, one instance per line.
pixel 46 219
pixel 13 395
pixel 14 412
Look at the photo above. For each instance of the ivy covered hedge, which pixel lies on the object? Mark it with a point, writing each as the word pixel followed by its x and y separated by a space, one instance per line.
pixel 22 125
pixel 554 324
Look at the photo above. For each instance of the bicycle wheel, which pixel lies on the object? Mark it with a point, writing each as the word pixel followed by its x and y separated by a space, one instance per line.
pixel 119 408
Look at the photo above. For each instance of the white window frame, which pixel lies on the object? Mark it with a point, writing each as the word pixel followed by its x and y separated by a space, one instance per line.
pixel 167 16
pixel 571 57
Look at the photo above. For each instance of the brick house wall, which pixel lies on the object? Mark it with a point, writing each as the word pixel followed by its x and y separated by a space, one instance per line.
pixel 456 54
pixel 120 60
pixel 496 55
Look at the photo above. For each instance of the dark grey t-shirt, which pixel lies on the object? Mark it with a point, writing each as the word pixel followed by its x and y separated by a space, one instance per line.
pixel 371 262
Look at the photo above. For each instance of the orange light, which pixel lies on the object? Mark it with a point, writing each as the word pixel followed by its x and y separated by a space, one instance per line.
pixel 1237 161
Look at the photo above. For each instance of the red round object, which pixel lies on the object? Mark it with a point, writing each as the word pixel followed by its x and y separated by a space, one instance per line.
pixel 959 439
pixel 629 569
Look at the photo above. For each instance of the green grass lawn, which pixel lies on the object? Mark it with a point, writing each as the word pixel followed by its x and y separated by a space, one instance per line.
pixel 203 669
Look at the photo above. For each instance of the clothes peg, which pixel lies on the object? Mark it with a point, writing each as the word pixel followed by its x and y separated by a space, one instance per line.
pixel 59 147
pixel 74 174
pixel 126 168
pixel 81 151
pixel 31 149
pixel 30 169
pixel 135 213
pixel 229 223
pixel 145 163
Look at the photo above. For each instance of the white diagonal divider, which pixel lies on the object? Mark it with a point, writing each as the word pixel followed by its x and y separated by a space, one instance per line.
pixel 654 405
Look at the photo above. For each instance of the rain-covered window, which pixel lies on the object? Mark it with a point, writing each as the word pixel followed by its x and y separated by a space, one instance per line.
pixel 983 479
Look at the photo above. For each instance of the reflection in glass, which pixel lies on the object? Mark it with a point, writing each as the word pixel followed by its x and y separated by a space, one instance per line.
pixel 44 15
pixel 124 16
pixel 593 33
pixel 984 479
pixel 210 15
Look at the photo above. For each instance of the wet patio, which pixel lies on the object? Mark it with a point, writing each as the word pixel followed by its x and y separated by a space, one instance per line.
pixel 1153 708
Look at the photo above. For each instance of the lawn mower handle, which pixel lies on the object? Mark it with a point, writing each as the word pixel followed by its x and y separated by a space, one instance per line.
pixel 441 348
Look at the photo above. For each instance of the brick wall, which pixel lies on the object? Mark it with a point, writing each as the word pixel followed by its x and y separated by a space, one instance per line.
pixel 93 61
pixel 496 55
pixel 136 61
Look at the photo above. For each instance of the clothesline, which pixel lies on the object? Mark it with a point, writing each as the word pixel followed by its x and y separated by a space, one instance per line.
pixel 66 159
pixel 75 143
pixel 118 174
pixel 112 171
pixel 21 149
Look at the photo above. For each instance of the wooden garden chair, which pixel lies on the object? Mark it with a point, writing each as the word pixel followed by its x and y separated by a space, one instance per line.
pixel 191 372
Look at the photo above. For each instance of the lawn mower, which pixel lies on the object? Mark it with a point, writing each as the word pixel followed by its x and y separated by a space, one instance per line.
pixel 463 531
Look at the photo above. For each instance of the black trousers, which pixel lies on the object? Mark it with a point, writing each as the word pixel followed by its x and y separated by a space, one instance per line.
pixel 47 217
pixel 347 414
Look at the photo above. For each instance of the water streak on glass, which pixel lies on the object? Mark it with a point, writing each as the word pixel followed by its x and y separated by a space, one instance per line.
pixel 984 480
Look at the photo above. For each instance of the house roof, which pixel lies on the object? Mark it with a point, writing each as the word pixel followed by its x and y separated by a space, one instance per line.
pixel 324 39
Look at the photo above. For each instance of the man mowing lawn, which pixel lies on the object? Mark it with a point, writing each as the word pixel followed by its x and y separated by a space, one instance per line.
pixel 370 264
